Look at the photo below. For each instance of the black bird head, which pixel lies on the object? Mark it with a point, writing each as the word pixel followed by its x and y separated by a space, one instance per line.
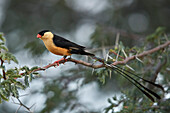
pixel 45 34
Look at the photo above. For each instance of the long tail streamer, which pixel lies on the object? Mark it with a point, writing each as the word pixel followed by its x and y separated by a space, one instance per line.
pixel 127 74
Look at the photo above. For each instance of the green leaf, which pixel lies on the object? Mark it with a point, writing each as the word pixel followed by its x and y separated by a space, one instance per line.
pixel 3 95
pixel 3 56
pixel 10 71
pixel 19 84
pixel 121 46
pixel 36 73
pixel 8 56
pixel 30 77
pixel 12 80
pixel 15 91
pixel 102 79
pixel 25 68
pixel 109 100
pixel 16 76
pixel 1 37
pixel 26 80
pixel 4 48
pixel 114 98
pixel 158 32
pixel 13 58
pixel 5 82
pixel 8 87
pixel 33 68
pixel 2 43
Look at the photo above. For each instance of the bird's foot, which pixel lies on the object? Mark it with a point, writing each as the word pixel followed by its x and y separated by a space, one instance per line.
pixel 58 61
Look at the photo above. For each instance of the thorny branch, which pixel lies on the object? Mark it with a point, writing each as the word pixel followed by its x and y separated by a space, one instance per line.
pixel 145 53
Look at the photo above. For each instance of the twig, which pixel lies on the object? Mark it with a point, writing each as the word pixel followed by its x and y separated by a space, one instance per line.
pixel 117 54
pixel 143 54
pixel 21 104
pixel 157 70
pixel 18 109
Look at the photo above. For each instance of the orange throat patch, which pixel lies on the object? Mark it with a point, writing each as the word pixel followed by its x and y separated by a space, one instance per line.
pixel 54 49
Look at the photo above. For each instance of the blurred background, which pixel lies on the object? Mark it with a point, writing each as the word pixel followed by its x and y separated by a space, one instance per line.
pixel 92 23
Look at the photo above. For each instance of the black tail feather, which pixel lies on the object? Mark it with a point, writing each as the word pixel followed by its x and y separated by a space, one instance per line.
pixel 156 85
pixel 143 91
pixel 129 77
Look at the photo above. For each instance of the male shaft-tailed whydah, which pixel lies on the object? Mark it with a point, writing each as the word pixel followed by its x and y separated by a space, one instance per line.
pixel 61 46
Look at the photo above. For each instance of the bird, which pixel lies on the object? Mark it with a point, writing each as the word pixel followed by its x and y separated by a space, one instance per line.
pixel 63 47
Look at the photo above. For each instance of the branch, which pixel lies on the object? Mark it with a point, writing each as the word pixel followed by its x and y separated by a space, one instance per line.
pixel 143 54
pixel 103 65
pixel 158 69
pixel 22 105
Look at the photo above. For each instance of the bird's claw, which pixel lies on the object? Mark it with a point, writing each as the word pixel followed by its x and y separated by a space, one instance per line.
pixel 58 61
pixel 65 60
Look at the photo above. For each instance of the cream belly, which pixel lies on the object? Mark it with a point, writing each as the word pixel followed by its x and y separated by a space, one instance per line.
pixel 54 49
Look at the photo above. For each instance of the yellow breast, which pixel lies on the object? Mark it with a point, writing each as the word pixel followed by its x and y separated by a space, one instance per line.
pixel 54 49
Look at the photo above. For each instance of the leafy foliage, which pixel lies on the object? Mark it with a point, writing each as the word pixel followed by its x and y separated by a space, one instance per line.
pixel 11 80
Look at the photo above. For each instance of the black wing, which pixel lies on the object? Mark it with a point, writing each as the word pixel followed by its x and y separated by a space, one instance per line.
pixel 64 43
